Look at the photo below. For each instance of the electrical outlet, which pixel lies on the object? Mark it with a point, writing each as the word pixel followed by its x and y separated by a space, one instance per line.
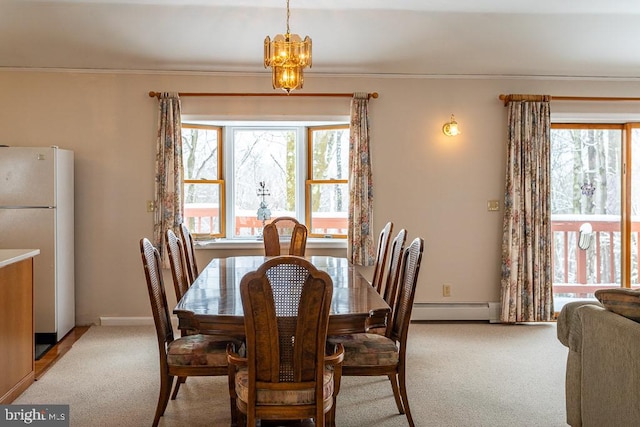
pixel 446 290
pixel 150 206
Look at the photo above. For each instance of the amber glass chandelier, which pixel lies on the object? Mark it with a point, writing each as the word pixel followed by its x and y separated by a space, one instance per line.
pixel 287 55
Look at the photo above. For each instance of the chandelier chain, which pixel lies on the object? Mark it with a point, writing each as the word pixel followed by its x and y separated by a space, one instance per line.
pixel 288 14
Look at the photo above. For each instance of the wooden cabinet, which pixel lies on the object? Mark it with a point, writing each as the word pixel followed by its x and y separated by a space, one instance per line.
pixel 16 327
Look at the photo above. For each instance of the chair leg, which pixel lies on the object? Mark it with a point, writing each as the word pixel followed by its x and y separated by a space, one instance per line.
pixel 396 392
pixel 330 418
pixel 331 415
pixel 250 419
pixel 235 412
pixel 405 398
pixel 166 381
pixel 180 380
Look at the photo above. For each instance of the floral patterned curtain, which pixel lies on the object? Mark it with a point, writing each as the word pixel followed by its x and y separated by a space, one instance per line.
pixel 526 245
pixel 359 234
pixel 169 180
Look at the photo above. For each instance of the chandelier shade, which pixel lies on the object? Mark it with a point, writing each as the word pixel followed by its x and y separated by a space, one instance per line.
pixel 287 55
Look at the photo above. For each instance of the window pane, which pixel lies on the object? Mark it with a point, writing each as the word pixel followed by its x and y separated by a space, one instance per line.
pixel 330 154
pixel 329 205
pixel 202 208
pixel 586 209
pixel 269 156
pixel 200 153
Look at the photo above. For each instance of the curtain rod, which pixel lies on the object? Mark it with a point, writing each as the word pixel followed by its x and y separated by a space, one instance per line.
pixel 505 98
pixel 153 94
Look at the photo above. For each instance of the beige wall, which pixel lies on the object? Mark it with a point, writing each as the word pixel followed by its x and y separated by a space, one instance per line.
pixel 435 186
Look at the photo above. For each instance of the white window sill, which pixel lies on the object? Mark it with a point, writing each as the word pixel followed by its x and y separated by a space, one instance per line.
pixel 314 243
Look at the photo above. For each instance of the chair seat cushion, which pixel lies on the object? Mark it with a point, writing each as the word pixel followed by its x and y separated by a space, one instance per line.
pixel 282 397
pixel 367 350
pixel 199 350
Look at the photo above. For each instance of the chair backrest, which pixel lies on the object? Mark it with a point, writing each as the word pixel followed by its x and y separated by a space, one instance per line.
pixel 395 262
pixel 177 262
pixel 157 296
pixel 286 306
pixel 381 256
pixel 189 253
pixel 271 240
pixel 401 316
pixel 298 244
pixel 282 232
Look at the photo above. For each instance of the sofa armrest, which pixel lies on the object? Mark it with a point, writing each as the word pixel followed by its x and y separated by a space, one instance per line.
pixel 568 326
pixel 610 368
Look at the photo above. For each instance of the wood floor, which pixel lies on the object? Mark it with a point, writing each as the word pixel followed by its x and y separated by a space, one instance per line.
pixel 58 350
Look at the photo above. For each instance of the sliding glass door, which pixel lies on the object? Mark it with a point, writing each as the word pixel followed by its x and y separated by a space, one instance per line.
pixel 595 208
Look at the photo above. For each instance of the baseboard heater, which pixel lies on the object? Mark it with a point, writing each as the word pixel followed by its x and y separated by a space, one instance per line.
pixel 489 311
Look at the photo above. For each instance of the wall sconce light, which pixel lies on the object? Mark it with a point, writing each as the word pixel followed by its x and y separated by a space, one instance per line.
pixel 451 128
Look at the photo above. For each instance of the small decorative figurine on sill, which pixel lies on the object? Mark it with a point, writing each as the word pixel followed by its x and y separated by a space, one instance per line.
pixel 264 213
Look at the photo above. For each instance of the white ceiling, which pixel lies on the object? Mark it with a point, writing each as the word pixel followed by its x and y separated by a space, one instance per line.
pixel 588 38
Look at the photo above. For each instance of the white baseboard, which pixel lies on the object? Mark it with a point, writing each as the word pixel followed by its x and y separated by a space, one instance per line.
pixel 489 311
pixel 131 321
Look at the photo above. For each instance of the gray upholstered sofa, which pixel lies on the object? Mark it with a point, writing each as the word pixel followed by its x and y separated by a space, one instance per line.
pixel 603 367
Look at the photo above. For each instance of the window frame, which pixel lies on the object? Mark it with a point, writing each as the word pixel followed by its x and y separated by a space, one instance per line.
pixel 310 181
pixel 219 181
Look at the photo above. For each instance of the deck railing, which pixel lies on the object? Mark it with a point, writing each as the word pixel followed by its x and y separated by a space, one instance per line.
pixel 206 217
pixel 598 265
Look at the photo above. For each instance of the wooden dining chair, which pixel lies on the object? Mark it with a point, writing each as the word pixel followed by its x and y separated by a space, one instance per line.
pixel 393 277
pixel 381 256
pixel 191 355
pixel 177 262
pixel 181 283
pixel 367 354
pixel 189 253
pixel 282 231
pixel 286 374
pixel 395 262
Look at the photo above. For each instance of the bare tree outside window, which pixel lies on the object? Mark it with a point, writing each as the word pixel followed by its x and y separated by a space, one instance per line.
pixel 269 156
pixel 202 184
pixel 328 185
pixel 586 186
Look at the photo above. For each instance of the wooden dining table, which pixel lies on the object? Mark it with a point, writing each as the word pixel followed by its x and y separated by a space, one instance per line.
pixel 213 304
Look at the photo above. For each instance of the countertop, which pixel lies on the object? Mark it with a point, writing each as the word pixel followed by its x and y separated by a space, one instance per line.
pixel 11 256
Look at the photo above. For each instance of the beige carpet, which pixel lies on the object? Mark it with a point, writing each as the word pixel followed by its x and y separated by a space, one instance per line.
pixel 462 374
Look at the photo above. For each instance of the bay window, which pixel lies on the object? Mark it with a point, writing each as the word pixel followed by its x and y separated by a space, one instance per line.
pixel 303 167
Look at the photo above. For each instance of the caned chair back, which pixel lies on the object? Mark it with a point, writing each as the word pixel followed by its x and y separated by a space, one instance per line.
pixel 395 264
pixel 282 232
pixel 285 339
pixel 406 292
pixel 177 262
pixel 157 296
pixel 381 257
pixel 189 253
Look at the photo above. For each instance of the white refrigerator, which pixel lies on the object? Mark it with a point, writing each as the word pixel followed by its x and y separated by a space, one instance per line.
pixel 37 212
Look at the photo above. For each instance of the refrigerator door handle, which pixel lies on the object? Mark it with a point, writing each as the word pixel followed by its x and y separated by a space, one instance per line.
pixel 27 207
